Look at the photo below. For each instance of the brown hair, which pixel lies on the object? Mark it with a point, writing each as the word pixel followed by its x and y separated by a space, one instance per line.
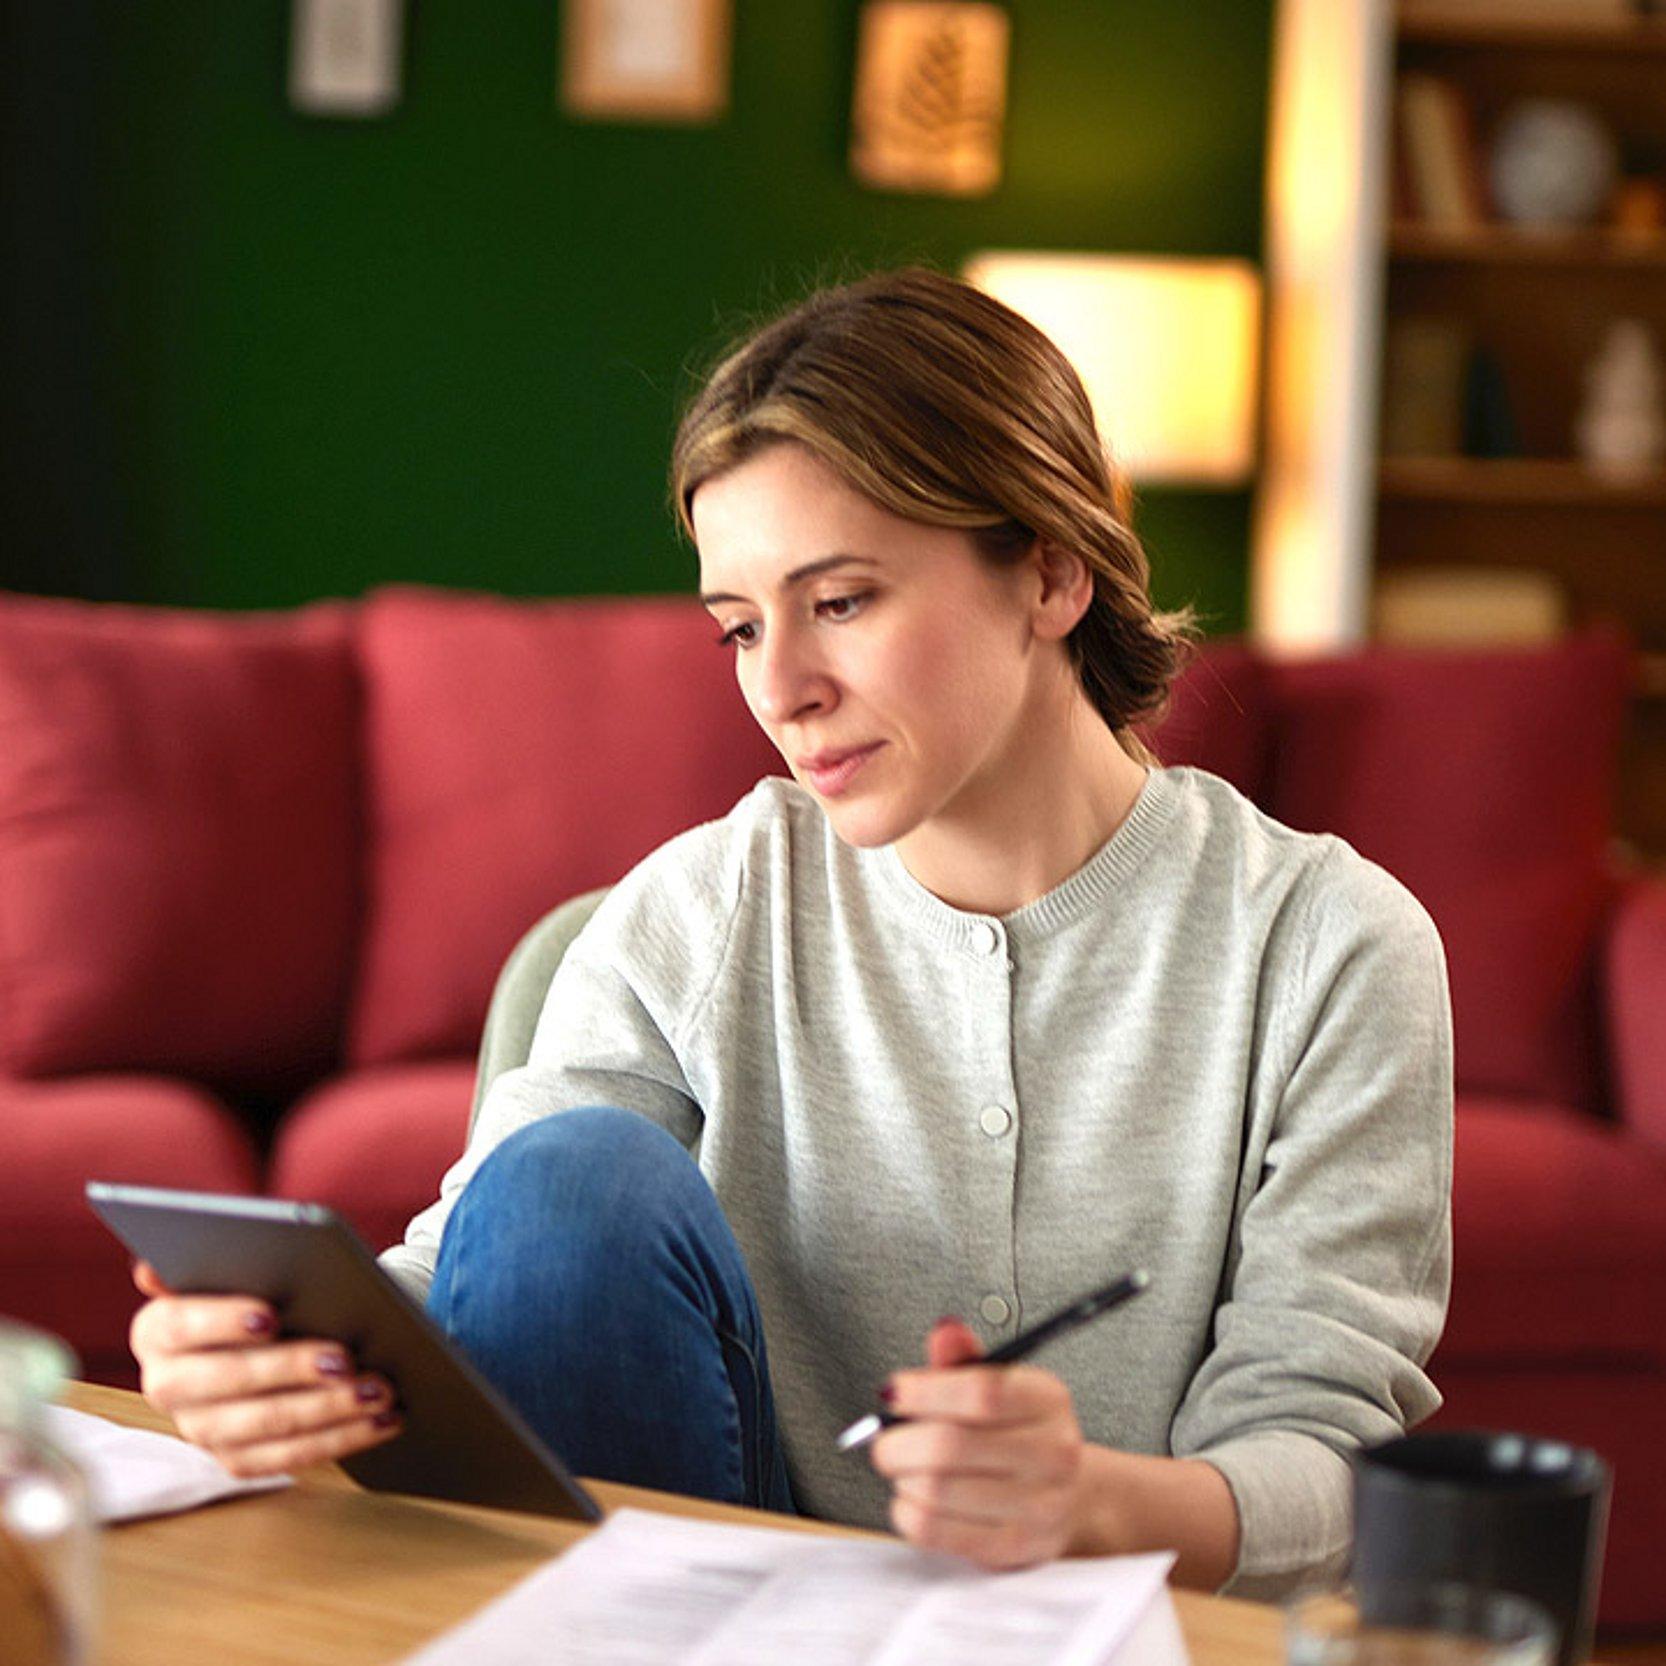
pixel 946 407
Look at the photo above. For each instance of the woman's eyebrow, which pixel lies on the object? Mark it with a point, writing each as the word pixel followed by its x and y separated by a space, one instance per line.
pixel 810 569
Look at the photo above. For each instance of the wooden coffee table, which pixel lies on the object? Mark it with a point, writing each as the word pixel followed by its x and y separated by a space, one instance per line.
pixel 326 1574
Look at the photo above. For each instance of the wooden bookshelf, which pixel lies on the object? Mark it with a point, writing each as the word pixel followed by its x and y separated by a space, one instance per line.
pixel 1522 482
pixel 1431 25
pixel 1539 303
pixel 1412 240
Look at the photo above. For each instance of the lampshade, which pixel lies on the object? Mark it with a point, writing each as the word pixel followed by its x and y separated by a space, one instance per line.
pixel 1168 350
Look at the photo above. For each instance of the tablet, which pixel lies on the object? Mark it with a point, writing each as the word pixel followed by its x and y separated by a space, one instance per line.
pixel 461 1439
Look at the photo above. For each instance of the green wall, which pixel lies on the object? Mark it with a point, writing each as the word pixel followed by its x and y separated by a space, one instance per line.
pixel 448 345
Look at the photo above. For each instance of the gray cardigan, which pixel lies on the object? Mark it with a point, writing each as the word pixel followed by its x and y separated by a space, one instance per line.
pixel 1221 1050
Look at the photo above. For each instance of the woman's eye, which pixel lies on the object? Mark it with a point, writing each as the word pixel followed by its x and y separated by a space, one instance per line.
pixel 737 636
pixel 838 608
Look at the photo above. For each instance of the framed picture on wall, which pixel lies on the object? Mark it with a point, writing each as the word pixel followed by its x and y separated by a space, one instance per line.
pixel 344 56
pixel 930 103
pixel 645 60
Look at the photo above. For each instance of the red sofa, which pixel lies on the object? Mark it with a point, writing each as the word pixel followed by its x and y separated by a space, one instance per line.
pixel 257 875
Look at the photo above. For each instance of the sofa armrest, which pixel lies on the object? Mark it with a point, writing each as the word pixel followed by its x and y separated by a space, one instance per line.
pixel 518 997
pixel 1635 976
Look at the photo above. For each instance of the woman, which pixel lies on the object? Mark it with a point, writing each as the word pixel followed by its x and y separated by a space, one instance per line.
pixel 978 1011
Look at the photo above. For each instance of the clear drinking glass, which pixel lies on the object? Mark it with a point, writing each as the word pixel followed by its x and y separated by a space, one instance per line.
pixel 47 1543
pixel 1417 1625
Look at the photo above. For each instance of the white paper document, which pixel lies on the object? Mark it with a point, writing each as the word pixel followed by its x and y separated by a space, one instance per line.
pixel 136 1472
pixel 652 1590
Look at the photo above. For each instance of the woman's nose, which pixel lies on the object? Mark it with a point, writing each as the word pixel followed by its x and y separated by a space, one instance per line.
pixel 786 681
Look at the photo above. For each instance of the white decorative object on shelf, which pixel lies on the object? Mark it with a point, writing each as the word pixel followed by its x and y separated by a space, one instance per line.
pixel 1622 428
pixel 1554 163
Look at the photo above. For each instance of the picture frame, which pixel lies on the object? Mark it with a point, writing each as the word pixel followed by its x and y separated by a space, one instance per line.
pixel 646 60
pixel 345 56
pixel 930 98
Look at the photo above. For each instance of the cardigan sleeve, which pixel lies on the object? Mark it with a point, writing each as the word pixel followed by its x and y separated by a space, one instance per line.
pixel 1339 1268
pixel 609 1032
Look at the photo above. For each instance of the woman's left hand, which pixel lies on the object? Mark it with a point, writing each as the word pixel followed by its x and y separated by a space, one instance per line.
pixel 989 1464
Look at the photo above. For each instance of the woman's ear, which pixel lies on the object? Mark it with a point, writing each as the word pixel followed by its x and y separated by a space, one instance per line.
pixel 1065 592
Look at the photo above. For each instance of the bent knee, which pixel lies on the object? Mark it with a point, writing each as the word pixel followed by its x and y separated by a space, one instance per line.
pixel 601 1133
pixel 584 1164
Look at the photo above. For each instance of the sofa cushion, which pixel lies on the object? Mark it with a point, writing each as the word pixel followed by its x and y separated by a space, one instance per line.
pixel 374 1144
pixel 176 841
pixel 1484 781
pixel 1559 1239
pixel 1634 980
pixel 517 754
pixel 1217 717
pixel 60 1267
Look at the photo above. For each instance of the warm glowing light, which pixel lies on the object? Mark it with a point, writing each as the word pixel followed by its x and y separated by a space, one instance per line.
pixel 1168 349
pixel 1326 206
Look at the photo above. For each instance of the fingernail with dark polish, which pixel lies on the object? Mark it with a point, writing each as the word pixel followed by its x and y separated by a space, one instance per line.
pixel 333 1365
pixel 385 1419
pixel 369 1390
pixel 259 1324
pixel 887 1395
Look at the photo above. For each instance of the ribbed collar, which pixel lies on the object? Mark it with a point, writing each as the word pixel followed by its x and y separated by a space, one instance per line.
pixel 1108 868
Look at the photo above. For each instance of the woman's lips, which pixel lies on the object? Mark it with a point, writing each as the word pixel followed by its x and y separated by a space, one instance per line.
pixel 831 778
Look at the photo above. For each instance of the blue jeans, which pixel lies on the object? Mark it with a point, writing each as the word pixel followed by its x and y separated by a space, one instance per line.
pixel 588 1272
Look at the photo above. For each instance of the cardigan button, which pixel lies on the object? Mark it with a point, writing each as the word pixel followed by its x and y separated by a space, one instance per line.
pixel 985 939
pixel 995 1310
pixel 995 1120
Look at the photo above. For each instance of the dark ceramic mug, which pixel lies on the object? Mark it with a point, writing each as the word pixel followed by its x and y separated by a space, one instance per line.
pixel 1502 1511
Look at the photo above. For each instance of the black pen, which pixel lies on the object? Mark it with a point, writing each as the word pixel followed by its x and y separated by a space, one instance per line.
pixel 1021 1346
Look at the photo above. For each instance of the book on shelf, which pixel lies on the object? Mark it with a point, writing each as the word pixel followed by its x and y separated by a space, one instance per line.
pixel 1440 162
pixel 1490 425
pixel 1467 607
pixel 1425 372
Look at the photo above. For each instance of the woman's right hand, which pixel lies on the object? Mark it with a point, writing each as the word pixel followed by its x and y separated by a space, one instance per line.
pixel 258 1405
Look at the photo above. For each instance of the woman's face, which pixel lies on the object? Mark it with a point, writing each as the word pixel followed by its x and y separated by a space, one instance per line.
pixel 892 665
